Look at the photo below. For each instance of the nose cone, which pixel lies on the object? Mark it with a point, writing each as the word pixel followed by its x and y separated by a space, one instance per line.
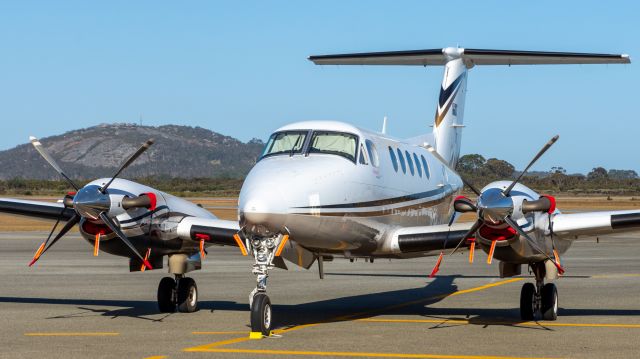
pixel 262 204
pixel 494 206
pixel 89 202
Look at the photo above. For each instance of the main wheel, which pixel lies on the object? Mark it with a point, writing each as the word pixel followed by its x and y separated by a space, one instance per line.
pixel 527 299
pixel 549 302
pixel 187 295
pixel 261 314
pixel 166 295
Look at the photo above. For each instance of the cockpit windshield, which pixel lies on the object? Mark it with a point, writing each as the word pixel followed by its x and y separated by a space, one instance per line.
pixel 288 142
pixel 336 143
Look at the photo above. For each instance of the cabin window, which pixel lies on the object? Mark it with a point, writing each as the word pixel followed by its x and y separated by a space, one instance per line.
pixel 363 159
pixel 288 142
pixel 402 164
pixel 409 162
pixel 373 153
pixel 394 161
pixel 418 167
pixel 334 143
pixel 426 167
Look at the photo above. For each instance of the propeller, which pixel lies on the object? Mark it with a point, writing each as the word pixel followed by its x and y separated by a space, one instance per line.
pixel 91 202
pixel 495 206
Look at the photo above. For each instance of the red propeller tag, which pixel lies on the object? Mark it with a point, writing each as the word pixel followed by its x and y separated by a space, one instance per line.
pixel 437 266
pixel 145 262
pixel 37 255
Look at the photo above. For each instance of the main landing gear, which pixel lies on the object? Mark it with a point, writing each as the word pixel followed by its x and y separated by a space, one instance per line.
pixel 539 300
pixel 180 293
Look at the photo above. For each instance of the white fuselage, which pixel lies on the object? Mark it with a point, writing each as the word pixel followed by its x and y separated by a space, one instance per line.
pixel 331 203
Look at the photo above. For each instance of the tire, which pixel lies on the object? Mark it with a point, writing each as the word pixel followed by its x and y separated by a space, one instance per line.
pixel 166 295
pixel 527 298
pixel 261 314
pixel 187 295
pixel 549 302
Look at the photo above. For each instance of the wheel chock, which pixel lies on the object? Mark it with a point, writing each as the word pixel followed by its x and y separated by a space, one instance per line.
pixel 255 335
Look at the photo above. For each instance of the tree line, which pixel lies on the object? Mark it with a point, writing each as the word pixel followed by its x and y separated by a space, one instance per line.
pixel 599 181
pixel 473 167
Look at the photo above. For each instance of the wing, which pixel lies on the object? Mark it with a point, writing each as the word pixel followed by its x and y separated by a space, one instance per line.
pixel 590 223
pixel 424 239
pixel 36 209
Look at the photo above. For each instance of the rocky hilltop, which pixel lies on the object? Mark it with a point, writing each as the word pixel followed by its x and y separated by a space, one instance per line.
pixel 178 152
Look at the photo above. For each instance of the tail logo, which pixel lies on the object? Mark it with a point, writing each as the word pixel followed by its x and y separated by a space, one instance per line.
pixel 446 97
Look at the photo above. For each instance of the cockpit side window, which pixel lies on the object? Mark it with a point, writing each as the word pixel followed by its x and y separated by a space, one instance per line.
pixel 363 157
pixel 373 153
pixel 287 142
pixel 335 143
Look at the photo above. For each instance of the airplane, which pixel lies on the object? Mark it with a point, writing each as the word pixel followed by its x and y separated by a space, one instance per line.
pixel 325 189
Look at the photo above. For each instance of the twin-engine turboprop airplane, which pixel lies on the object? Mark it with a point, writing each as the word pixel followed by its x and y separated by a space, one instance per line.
pixel 323 189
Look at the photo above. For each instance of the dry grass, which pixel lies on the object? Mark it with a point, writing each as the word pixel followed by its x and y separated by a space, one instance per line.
pixel 225 208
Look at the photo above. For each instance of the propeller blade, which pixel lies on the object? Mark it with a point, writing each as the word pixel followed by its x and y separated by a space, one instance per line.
pixel 468 184
pixel 469 233
pixel 72 222
pixel 38 146
pixel 133 157
pixel 453 218
pixel 540 153
pixel 533 244
pixel 435 154
pixel 123 237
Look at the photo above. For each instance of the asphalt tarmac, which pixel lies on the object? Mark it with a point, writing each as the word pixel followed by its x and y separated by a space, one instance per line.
pixel 73 305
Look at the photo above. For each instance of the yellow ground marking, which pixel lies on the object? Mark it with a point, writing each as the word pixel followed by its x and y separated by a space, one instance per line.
pixel 215 345
pixel 361 354
pixel 489 322
pixel 157 357
pixel 220 333
pixel 71 334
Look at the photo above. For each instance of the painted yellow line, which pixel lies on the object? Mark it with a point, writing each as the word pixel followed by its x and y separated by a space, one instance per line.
pixel 362 354
pixel 157 357
pixel 211 346
pixel 489 322
pixel 71 334
pixel 220 333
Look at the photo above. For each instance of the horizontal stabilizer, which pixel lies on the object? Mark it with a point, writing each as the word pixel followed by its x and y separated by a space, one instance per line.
pixel 472 56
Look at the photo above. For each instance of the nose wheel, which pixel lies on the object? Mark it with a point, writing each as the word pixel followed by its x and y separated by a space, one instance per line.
pixel 261 314
pixel 180 293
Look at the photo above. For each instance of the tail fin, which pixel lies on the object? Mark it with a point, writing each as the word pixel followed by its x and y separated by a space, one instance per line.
pixel 448 120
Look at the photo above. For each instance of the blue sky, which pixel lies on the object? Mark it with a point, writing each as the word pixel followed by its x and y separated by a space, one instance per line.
pixel 240 68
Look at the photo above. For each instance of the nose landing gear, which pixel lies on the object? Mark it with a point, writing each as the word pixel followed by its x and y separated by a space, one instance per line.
pixel 180 293
pixel 264 250
pixel 539 300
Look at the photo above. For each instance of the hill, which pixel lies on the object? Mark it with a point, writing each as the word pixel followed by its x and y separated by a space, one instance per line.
pixel 178 152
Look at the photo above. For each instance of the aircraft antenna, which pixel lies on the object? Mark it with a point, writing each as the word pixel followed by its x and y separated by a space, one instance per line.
pixel 384 125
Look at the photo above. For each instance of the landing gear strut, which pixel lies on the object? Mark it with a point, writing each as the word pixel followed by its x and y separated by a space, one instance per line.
pixel 263 250
pixel 180 293
pixel 539 300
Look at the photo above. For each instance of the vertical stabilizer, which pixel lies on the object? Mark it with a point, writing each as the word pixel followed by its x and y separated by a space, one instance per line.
pixel 448 121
